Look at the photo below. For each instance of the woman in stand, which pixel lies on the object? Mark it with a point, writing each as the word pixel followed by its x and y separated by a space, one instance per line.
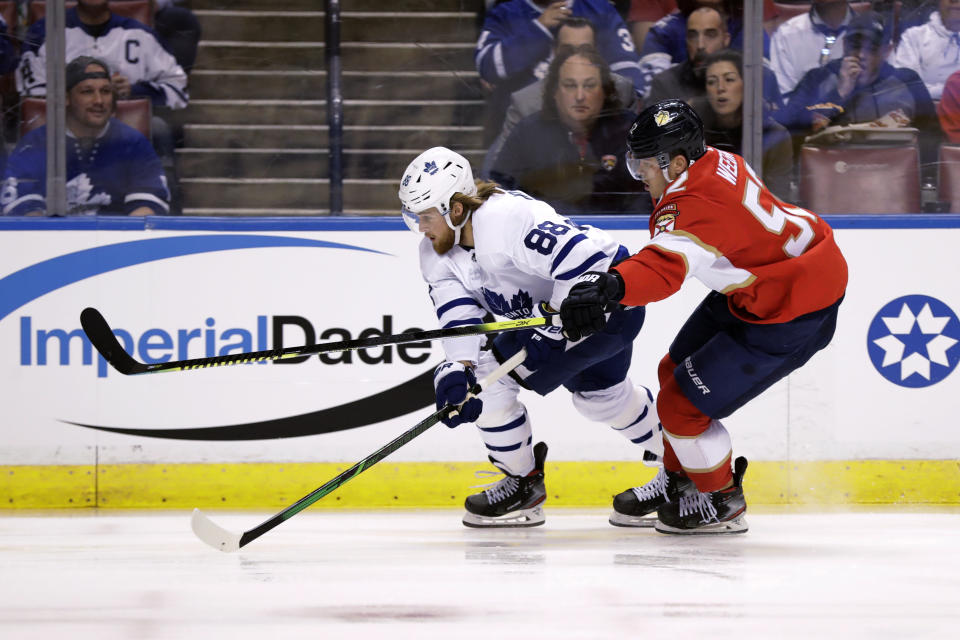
pixel 722 113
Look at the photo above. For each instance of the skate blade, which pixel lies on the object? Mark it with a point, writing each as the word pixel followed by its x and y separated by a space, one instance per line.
pixel 641 522
pixel 525 518
pixel 730 527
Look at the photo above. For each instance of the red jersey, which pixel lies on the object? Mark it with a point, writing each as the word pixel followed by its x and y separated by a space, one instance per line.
pixel 718 223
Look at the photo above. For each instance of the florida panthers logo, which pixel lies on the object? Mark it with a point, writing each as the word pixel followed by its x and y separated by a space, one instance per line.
pixel 665 223
pixel 520 306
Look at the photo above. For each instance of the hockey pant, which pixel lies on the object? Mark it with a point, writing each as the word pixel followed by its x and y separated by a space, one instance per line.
pixel 594 370
pixel 716 364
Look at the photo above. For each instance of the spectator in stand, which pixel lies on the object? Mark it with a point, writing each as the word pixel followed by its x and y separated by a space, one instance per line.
pixel 861 87
pixel 949 108
pixel 808 41
pixel 179 27
pixel 571 154
pixel 932 49
pixel 142 66
pixel 706 34
pixel 515 47
pixel 529 100
pixel 111 167
pixel 666 42
pixel 722 113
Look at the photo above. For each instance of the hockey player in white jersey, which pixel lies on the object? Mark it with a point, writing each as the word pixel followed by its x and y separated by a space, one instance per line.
pixel 490 251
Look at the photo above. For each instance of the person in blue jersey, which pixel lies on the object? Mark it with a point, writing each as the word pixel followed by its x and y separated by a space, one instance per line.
pixel 111 167
pixel 142 63
pixel 516 44
pixel 666 42
pixel 486 250
pixel 707 33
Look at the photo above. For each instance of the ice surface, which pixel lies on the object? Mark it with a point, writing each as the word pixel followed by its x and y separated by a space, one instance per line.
pixel 421 574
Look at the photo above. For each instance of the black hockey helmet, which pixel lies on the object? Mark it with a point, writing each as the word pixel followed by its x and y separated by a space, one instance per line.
pixel 665 128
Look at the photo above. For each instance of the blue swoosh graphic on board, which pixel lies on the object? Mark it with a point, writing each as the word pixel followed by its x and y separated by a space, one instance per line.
pixel 29 283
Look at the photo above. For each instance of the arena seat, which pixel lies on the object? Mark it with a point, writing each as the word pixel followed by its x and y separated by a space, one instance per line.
pixel 860 179
pixel 136 113
pixel 141 10
pixel 950 176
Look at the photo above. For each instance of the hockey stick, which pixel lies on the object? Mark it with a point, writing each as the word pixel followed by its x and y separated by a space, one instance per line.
pixel 219 538
pixel 101 336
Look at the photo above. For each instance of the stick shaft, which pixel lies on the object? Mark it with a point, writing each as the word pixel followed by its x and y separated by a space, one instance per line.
pixel 101 336
pixel 376 456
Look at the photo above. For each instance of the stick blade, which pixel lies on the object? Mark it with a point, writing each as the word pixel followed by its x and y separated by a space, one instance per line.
pixel 213 534
pixel 101 337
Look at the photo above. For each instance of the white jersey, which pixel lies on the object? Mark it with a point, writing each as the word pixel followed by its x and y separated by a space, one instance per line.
pixel 932 51
pixel 525 253
pixel 803 43
pixel 130 48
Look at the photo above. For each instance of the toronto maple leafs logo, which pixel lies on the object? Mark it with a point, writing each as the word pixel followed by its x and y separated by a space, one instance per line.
pixel 913 341
pixel 520 305
pixel 81 200
pixel 430 167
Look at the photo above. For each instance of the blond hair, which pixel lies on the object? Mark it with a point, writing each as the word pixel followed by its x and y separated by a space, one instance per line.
pixel 485 189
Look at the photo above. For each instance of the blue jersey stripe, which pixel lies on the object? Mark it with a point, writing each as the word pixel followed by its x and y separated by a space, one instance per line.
pixel 456 302
pixel 585 266
pixel 574 241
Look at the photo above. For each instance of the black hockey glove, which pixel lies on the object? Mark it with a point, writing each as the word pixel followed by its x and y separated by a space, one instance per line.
pixel 452 381
pixel 584 310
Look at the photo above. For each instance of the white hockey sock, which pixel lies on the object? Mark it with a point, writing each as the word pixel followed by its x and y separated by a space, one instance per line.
pixel 510 442
pixel 703 453
pixel 629 410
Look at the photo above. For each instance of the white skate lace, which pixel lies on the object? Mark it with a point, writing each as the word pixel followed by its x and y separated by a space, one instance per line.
pixel 499 490
pixel 656 486
pixel 503 489
pixel 701 503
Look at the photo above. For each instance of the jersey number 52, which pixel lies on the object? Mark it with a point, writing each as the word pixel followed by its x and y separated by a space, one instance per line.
pixel 776 218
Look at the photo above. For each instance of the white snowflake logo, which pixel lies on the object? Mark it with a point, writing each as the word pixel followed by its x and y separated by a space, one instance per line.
pixel 915 341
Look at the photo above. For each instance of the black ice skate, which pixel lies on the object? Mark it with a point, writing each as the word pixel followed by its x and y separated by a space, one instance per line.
pixel 514 501
pixel 718 512
pixel 635 507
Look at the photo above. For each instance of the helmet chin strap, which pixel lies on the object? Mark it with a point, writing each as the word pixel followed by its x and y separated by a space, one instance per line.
pixel 457 229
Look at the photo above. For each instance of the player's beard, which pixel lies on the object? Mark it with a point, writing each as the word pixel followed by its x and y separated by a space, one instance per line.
pixel 443 243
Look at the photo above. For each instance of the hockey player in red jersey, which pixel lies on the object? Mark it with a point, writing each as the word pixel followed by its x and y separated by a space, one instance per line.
pixel 777 278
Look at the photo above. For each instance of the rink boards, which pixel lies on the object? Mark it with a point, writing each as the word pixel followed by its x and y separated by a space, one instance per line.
pixel 869 419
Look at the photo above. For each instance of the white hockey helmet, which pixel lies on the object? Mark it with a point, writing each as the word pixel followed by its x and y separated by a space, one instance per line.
pixel 430 181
